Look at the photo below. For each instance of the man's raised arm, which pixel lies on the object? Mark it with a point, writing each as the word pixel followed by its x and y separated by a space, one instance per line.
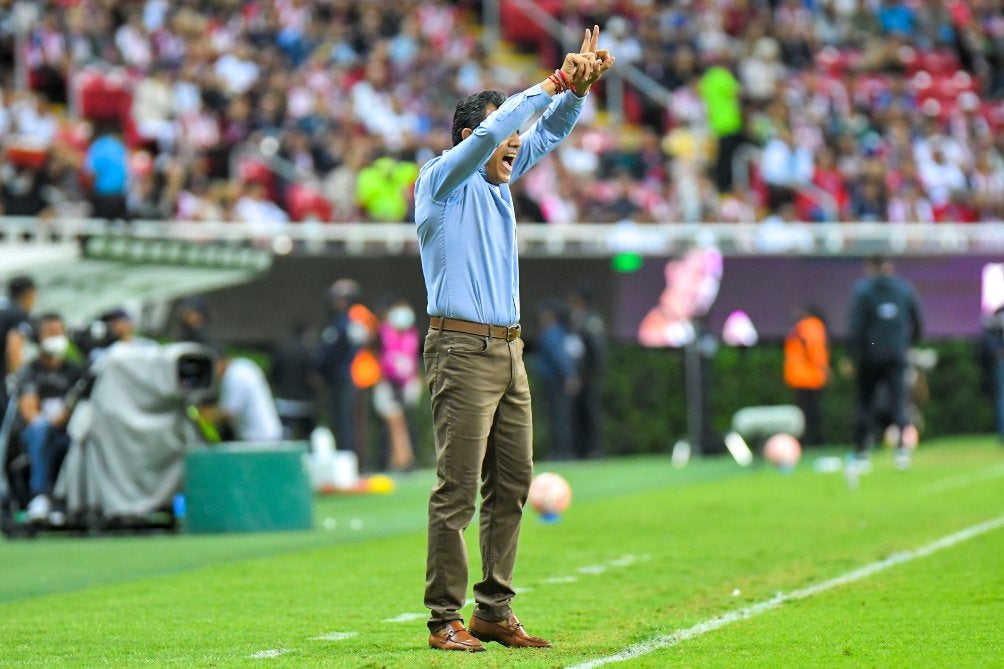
pixel 555 124
pixel 467 156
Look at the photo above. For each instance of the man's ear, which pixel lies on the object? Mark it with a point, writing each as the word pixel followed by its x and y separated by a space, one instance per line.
pixel 465 133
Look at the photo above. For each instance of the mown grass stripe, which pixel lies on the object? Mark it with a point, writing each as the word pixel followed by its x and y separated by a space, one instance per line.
pixel 964 480
pixel 667 640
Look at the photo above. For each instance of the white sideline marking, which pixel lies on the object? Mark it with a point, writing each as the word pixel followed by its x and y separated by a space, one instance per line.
pixel 962 481
pixel 408 617
pixel 628 560
pixel 623 561
pixel 667 640
pixel 404 617
pixel 592 569
pixel 595 569
pixel 561 579
pixel 334 636
pixel 270 653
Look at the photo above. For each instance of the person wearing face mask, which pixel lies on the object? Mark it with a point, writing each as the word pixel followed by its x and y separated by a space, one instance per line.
pixel 44 406
pixel 473 352
pixel 397 392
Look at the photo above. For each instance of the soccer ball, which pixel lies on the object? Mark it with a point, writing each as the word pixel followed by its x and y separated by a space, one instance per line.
pixel 550 494
pixel 782 450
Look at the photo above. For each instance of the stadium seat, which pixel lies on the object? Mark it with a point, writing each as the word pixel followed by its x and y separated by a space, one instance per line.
pixel 938 62
pixel 27 155
pixel 516 27
pixel 305 203
pixel 837 62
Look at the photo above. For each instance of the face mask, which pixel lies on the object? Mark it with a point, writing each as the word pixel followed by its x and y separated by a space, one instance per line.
pixel 55 346
pixel 401 318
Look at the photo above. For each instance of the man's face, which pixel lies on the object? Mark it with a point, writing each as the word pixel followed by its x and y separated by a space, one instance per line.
pixel 121 328
pixel 52 341
pixel 28 300
pixel 499 165
pixel 50 328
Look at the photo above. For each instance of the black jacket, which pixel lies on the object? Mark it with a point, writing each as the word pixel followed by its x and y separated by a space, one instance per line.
pixel 885 320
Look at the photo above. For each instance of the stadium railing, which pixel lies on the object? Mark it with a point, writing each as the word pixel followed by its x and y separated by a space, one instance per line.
pixel 581 239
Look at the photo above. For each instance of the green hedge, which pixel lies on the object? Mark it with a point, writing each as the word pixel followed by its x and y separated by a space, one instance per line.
pixel 645 409
pixel 645 401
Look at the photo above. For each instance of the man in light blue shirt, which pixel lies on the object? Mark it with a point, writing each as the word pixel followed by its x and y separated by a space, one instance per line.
pixel 473 352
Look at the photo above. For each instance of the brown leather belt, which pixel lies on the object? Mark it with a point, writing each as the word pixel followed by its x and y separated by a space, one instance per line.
pixel 508 333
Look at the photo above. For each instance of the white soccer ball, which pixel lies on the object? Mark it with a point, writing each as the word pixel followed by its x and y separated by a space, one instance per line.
pixel 550 494
pixel 782 450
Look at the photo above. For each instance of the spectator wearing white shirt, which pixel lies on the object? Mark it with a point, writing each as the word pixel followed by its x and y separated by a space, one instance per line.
pixel 133 41
pixel 762 73
pixel 784 166
pixel 246 402
pixel 261 214
pixel 34 121
pixel 941 178
pixel 909 205
pixel 153 108
pixel 237 69
pixel 618 39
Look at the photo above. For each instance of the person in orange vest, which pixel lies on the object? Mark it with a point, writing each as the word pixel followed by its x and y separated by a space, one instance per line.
pixel 807 369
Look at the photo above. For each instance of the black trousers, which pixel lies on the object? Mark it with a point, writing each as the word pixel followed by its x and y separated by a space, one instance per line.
pixel 873 375
pixel 586 426
pixel 810 402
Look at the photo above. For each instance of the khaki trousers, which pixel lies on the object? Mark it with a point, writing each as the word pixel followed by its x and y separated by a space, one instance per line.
pixel 481 416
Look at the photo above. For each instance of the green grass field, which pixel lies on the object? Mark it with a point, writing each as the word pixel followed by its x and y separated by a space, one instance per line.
pixel 644 551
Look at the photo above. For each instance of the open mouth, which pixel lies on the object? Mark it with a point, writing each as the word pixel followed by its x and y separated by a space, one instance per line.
pixel 508 159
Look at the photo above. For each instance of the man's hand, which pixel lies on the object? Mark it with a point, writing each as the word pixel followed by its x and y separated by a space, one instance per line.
pixel 578 66
pixel 600 60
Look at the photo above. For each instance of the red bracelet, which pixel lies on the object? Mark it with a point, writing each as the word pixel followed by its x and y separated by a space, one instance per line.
pixel 564 79
pixel 558 83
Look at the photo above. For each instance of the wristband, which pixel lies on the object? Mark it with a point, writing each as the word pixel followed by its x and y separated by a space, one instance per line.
pixel 564 79
pixel 559 85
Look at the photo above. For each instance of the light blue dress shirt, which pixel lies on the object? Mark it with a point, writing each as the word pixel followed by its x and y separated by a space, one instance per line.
pixel 467 226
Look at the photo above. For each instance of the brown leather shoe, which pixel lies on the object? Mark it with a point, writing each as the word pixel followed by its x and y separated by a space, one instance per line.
pixel 506 632
pixel 455 637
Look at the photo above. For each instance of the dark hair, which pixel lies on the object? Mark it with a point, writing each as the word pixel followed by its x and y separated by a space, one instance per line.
pixel 879 263
pixel 471 111
pixel 583 291
pixel 116 314
pixel 815 311
pixel 47 317
pixel 19 286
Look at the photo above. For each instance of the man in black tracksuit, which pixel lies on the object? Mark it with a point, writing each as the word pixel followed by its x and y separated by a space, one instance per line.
pixel 885 321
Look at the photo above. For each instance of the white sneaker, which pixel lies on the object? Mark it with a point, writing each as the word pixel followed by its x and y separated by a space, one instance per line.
pixel 902 458
pixel 851 472
pixel 38 509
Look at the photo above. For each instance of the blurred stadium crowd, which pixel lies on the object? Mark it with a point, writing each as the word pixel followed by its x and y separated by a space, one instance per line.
pixel 278 111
